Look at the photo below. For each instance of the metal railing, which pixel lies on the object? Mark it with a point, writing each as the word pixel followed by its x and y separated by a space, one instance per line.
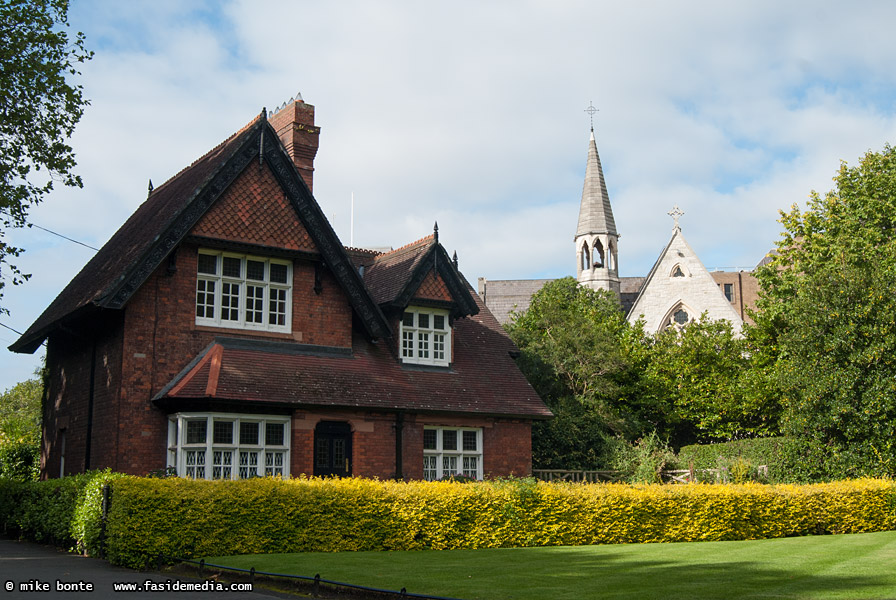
pixel 313 582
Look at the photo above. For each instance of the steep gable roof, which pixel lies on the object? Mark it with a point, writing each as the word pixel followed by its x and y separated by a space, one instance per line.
pixel 121 266
pixel 395 277
pixel 695 289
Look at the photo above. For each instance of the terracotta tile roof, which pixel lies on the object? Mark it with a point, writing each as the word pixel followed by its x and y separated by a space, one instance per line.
pixel 387 277
pixel 483 378
pixel 172 210
pixel 114 261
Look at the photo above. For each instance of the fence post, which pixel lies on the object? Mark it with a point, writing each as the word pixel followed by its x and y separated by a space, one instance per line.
pixel 252 575
pixel 315 590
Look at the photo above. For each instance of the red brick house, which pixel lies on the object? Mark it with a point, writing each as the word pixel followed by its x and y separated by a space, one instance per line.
pixel 226 332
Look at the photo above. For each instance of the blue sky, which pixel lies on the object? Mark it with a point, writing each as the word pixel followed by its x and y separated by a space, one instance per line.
pixel 472 114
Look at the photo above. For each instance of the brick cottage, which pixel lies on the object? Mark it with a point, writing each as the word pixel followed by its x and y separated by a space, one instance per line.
pixel 225 332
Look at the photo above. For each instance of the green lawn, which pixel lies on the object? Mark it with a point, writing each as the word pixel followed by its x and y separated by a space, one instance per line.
pixel 836 566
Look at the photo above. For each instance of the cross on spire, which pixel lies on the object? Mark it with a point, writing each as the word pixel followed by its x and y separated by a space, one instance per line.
pixel 676 213
pixel 591 110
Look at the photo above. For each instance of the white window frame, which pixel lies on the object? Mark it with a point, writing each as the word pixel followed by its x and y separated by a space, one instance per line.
pixel 266 287
pixel 227 460
pixel 420 341
pixel 439 462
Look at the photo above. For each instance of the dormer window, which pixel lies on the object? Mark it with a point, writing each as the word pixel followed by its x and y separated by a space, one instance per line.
pixel 242 291
pixel 425 336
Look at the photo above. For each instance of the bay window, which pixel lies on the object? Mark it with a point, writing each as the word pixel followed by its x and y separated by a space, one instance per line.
pixel 228 446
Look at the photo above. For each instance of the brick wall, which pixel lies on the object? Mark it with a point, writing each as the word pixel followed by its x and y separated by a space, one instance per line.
pixel 70 354
pixel 156 337
pixel 507 444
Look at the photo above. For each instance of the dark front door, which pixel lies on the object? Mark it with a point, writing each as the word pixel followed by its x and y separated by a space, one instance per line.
pixel 333 449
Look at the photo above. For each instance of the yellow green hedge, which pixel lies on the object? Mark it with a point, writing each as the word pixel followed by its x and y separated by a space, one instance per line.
pixel 183 518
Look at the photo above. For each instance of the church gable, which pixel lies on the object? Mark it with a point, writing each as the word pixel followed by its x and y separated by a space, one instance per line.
pixel 679 289
pixel 255 210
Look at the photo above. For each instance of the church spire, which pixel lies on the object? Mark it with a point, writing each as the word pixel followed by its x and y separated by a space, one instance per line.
pixel 596 236
pixel 595 212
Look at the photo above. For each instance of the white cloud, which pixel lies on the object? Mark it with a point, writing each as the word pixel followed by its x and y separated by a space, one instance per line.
pixel 471 113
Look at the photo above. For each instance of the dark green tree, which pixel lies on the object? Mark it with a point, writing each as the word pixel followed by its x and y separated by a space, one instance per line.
pixel 704 372
pixel 39 108
pixel 828 314
pixel 573 351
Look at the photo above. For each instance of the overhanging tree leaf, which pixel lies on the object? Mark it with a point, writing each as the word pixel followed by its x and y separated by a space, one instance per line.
pixel 39 108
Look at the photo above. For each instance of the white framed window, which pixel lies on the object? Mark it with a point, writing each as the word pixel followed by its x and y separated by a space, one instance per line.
pixel 451 451
pixel 243 291
pixel 228 446
pixel 425 336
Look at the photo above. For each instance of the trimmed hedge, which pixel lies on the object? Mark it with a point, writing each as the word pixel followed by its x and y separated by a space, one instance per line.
pixel 65 512
pixel 188 519
pixel 742 455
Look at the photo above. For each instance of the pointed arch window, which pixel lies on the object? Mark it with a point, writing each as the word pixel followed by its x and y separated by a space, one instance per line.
pixel 677 271
pixel 585 256
pixel 597 258
pixel 611 256
pixel 678 317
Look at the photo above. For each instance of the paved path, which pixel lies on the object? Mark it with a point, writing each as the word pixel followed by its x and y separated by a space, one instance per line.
pixel 25 566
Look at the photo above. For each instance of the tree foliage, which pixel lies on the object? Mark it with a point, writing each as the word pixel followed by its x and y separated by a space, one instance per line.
pixel 828 313
pixel 39 109
pixel 20 419
pixel 609 384
pixel 571 352
pixel 706 373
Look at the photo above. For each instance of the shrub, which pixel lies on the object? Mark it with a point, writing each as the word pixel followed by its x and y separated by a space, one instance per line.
pixel 65 512
pixel 20 460
pixel 640 462
pixel 188 519
pixel 742 458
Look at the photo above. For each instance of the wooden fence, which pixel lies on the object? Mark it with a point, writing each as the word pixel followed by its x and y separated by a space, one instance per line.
pixel 672 476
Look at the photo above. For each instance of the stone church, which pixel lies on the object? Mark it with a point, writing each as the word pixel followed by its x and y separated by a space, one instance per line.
pixel 678 289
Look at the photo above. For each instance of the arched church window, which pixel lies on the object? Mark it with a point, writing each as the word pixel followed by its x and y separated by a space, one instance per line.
pixel 677 272
pixel 585 264
pixel 598 256
pixel 611 256
pixel 680 316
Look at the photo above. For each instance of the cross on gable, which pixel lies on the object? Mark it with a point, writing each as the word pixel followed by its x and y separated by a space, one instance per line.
pixel 676 213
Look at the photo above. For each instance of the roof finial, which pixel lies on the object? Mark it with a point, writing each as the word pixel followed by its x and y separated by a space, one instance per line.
pixel 675 213
pixel 150 188
pixel 435 231
pixel 591 110
pixel 454 260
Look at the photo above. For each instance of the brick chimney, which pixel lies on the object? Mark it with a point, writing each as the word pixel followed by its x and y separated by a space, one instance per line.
pixel 294 124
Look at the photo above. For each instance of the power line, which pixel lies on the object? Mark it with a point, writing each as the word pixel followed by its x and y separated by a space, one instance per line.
pixel 10 328
pixel 65 237
pixel 43 343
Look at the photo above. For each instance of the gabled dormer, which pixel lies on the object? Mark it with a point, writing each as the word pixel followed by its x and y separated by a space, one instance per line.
pixel 421 292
